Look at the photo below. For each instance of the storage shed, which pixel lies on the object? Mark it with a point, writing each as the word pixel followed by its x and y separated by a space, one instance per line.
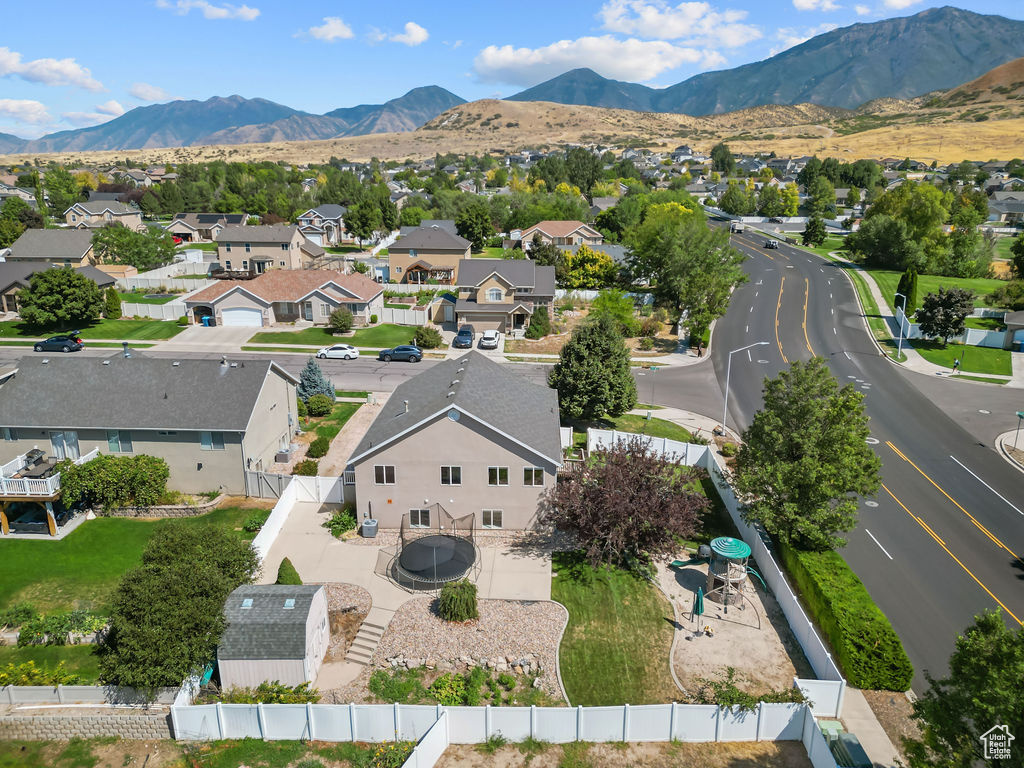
pixel 275 632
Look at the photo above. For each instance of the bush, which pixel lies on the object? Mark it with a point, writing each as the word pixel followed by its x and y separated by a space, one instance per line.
pixel 458 601
pixel 29 674
pixel 319 405
pixel 373 319
pixel 730 449
pixel 398 686
pixel 114 481
pixel 650 326
pixel 306 467
pixel 449 689
pixel 255 521
pixel 865 644
pixel 286 574
pixel 540 324
pixel 646 343
pixel 340 522
pixel 427 337
pixel 17 614
pixel 183 320
pixel 318 448
pixel 111 304
pixel 340 320
pixel 271 693
pixel 303 411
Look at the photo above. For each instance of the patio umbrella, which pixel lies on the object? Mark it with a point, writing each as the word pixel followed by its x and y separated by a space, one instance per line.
pixel 698 604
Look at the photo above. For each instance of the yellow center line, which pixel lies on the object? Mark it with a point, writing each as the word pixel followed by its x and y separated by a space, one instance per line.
pixel 991 536
pixel 777 308
pixel 938 540
pixel 807 295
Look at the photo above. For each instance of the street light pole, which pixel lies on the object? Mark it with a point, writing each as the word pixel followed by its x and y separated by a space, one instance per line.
pixel 899 349
pixel 728 373
pixel 1020 418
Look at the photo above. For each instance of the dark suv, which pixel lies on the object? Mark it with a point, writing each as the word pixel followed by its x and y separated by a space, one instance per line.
pixel 464 338
pixel 402 352
pixel 68 342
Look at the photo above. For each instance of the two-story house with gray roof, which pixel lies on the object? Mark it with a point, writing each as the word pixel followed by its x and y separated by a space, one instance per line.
pixel 258 249
pixel 47 247
pixel 91 215
pixel 470 435
pixel 427 253
pixel 324 225
pixel 502 294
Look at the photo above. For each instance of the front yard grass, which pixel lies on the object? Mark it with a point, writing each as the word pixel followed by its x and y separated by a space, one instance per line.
pixel 81 570
pixel 616 645
pixel 383 335
pixel 975 359
pixel 200 246
pixel 78 659
pixel 143 330
pixel 330 425
pixel 889 279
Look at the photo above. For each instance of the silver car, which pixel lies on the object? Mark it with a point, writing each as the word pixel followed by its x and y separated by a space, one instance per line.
pixel 339 352
pixel 489 340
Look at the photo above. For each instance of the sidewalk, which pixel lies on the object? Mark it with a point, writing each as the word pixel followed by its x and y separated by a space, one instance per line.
pixel 697 424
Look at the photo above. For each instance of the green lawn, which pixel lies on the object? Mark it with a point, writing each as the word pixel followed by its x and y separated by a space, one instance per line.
pixel 653 427
pixel 345 249
pixel 77 658
pixel 888 280
pixel 378 336
pixel 832 243
pixel 1003 247
pixel 199 246
pixel 985 323
pixel 975 359
pixel 81 571
pixel 490 252
pixel 139 297
pixel 351 393
pixel 196 276
pixel 329 426
pixel 878 326
pixel 616 645
pixel 101 329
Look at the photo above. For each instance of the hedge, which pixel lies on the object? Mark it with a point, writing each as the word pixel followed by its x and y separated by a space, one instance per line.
pixel 867 648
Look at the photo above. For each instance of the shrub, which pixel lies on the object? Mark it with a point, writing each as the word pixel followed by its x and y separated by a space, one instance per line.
pixel 458 601
pixel 506 681
pixel 540 324
pixel 286 574
pixel 373 319
pixel 183 320
pixel 303 411
pixel 255 521
pixel 399 686
pixel 319 405
pixel 340 522
pixel 449 689
pixel 318 448
pixel 112 304
pixel 650 326
pixel 306 467
pixel 391 754
pixel 724 692
pixel 646 343
pixel 271 693
pixel 730 449
pixel 17 614
pixel 114 481
pixel 29 674
pixel 866 646
pixel 340 320
pixel 475 680
pixel 427 337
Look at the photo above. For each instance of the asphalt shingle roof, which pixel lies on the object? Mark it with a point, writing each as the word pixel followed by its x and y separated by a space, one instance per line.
pixel 96 207
pixel 292 285
pixel 267 630
pixel 432 238
pixel 263 233
pixel 52 244
pixel 521 273
pixel 134 393
pixel 493 394
pixel 329 210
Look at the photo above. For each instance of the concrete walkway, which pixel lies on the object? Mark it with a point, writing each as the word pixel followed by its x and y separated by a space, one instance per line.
pixel 860 720
pixel 336 459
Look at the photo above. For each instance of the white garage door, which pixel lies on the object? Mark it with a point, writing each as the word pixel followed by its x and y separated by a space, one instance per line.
pixel 242 317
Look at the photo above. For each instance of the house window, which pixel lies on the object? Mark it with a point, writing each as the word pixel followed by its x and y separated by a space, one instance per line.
pixel 281 263
pixel 451 475
pixel 211 441
pixel 419 518
pixel 248 247
pixel 497 475
pixel 73 217
pixel 350 477
pixel 227 265
pixel 495 294
pixel 384 474
pixel 119 441
pixel 227 247
pixel 533 476
pixel 398 269
pixel 284 246
pixel 325 310
pixel 491 518
pixel 245 264
pixel 9 434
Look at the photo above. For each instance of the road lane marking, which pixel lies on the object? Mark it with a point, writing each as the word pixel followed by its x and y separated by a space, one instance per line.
pixel 834 333
pixel 991 536
pixel 997 493
pixel 869 533
pixel 777 308
pixel 807 295
pixel 942 544
pixel 749 358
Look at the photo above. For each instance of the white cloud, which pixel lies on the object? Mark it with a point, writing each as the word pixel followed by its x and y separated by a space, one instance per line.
pixel 47 71
pixel 631 59
pixel 816 5
pixel 332 29
pixel 453 46
pixel 694 23
pixel 111 107
pixel 900 4
pixel 790 36
pixel 862 10
pixel 210 11
pixel 24 111
pixel 147 92
pixel 104 112
pixel 414 34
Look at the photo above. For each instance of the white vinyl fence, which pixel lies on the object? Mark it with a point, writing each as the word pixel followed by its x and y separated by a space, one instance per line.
pixel 162 284
pixel 81 694
pixel 318 490
pixel 170 311
pixel 403 316
pixel 578 294
pixel 973 337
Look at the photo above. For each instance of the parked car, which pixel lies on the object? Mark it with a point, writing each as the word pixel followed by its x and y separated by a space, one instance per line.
pixel 339 352
pixel 67 342
pixel 771 243
pixel 406 352
pixel 489 340
pixel 464 338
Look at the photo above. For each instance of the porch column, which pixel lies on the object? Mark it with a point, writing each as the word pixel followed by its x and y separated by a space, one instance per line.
pixel 5 527
pixel 51 521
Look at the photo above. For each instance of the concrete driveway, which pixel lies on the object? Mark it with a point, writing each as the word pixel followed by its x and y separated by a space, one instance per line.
pixel 197 338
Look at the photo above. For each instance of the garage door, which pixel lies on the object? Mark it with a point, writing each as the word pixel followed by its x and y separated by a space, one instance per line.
pixel 242 317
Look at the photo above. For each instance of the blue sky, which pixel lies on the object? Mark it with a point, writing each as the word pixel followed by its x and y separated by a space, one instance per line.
pixel 66 65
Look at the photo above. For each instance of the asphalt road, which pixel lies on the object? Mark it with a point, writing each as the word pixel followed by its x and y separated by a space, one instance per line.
pixel 942 540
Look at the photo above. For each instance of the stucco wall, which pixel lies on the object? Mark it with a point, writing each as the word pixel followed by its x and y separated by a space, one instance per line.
pixel 270 428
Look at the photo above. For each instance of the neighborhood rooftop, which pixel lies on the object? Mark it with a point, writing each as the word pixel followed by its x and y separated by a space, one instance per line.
pixel 521 273
pixel 294 284
pixel 263 233
pixel 52 244
pixel 260 626
pixel 431 238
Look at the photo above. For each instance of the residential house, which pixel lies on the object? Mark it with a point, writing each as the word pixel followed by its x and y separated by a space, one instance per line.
pixel 282 295
pixel 562 233
pixel 502 294
pixel 267 246
pixel 63 247
pixel 275 633
pixel 616 251
pixel 448 225
pixel 1010 212
pixel 193 227
pixel 427 253
pixel 15 275
pixel 25 195
pixel 469 436
pixel 210 420
pixel 104 197
pixel 601 204
pixel 323 225
pixel 92 215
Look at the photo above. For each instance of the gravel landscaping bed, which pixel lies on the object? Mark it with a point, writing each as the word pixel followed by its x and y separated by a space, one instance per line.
pixel 540 541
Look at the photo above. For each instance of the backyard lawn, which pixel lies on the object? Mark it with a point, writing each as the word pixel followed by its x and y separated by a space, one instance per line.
pixel 383 335
pixel 490 252
pixel 199 246
pixel 888 280
pixel 975 359
pixel 330 425
pixel 101 329
pixel 81 571
pixel 654 427
pixel 78 659
pixel 140 297
pixel 616 645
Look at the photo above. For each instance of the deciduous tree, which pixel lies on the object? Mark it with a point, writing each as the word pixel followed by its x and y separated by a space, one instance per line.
pixel 592 375
pixel 60 297
pixel 942 314
pixel 815 233
pixel 474 223
pixel 588 269
pixel 144 250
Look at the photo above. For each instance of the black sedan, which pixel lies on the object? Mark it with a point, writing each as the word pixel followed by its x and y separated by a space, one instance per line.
pixel 407 352
pixel 464 338
pixel 67 342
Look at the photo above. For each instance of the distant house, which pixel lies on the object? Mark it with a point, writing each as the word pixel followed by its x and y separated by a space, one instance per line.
pixel 563 233
pixel 616 251
pixel 92 215
pixel 501 448
pixel 104 197
pixel 25 195
pixel 15 275
pixel 448 225
pixel 601 204
pixel 63 247
pixel 427 253
pixel 275 632
pixel 192 227
pixel 502 294
pixel 279 296
pixel 268 246
pixel 323 225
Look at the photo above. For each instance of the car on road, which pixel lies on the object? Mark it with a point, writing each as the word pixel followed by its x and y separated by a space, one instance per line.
pixel 489 340
pixel 771 244
pixel 405 352
pixel 464 338
pixel 339 352
pixel 66 342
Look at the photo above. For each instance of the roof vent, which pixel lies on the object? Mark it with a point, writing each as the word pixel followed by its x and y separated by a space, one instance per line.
pixel 223 360
pixel 124 350
pixel 454 382
pixel 451 394
pixel 234 365
pixel 289 604
pixel 247 603
pixel 46 360
pixel 105 362
pixel 175 364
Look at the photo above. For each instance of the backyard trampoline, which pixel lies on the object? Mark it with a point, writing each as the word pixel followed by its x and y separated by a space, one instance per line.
pixel 433 554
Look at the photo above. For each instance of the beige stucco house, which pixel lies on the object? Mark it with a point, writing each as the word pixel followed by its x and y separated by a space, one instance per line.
pixel 256 250
pixel 274 632
pixel 284 296
pixel 100 213
pixel 562 233
pixel 47 247
pixel 324 225
pixel 210 420
pixel 502 294
pixel 427 253
pixel 192 227
pixel 470 435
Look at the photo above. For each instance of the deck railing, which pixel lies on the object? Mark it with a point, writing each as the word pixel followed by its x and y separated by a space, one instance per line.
pixel 33 486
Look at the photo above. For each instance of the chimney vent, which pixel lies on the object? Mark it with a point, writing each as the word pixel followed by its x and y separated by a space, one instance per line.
pixel 124 350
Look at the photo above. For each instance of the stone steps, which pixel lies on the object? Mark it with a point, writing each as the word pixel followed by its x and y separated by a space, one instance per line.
pixel 370 632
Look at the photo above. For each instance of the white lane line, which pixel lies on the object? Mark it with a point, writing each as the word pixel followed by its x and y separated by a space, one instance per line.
pixel 833 310
pixel 997 493
pixel 747 329
pixel 830 295
pixel 751 309
pixel 755 294
pixel 821 270
pixel 877 542
pixel 834 332
pixel 749 358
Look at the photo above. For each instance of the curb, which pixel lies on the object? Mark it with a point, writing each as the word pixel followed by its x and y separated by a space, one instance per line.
pixel 558 653
pixel 1000 445
pixel 675 637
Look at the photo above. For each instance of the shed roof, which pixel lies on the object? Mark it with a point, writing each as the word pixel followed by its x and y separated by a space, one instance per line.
pixel 266 629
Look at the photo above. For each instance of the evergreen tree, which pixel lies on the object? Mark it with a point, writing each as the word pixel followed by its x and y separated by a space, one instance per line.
pixel 908 287
pixel 112 304
pixel 815 233
pixel 312 381
pixel 540 323
pixel 592 375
